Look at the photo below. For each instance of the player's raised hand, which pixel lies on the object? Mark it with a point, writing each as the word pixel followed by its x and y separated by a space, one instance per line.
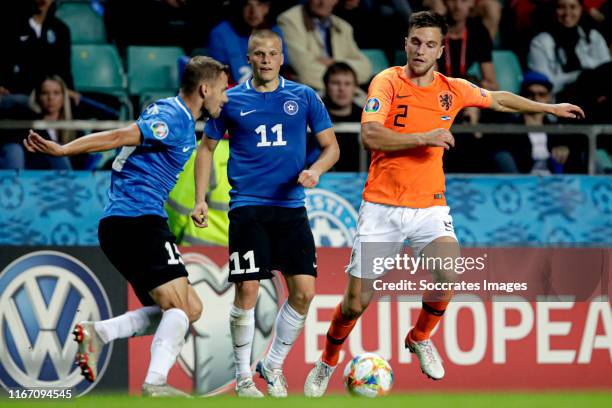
pixel 199 215
pixel 567 110
pixel 35 143
pixel 309 178
pixel 439 138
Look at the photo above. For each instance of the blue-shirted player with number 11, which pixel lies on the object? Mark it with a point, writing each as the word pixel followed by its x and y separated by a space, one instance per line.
pixel 267 119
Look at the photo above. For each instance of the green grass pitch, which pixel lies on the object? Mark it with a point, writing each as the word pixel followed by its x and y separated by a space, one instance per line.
pixel 416 400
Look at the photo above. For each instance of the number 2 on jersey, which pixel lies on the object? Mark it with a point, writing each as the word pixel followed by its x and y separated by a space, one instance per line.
pixel 276 129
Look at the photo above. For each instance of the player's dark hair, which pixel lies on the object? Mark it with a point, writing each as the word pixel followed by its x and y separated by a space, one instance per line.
pixel 428 19
pixel 339 68
pixel 201 69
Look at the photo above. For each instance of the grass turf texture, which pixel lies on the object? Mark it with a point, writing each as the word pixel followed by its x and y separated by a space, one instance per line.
pixel 454 400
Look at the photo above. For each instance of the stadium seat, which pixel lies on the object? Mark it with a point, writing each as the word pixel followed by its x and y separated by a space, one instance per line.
pixel 86 26
pixel 153 69
pixel 97 68
pixel 400 58
pixel 507 70
pixel 199 51
pixel 377 58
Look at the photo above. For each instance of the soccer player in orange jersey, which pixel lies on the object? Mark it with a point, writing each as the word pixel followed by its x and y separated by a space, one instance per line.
pixel 405 123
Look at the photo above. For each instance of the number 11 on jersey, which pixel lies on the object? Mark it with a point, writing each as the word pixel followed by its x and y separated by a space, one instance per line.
pixel 277 129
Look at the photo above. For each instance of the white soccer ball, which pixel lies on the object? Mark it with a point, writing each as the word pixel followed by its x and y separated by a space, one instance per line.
pixel 368 375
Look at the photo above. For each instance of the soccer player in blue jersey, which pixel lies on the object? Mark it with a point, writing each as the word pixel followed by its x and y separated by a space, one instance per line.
pixel 267 119
pixel 133 231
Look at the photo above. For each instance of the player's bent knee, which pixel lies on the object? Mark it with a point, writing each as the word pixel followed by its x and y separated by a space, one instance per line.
pixel 247 290
pixel 171 300
pixel 446 275
pixel 302 299
pixel 195 310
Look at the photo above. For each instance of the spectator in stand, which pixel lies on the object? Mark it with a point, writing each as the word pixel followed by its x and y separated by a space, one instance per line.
pixel 570 46
pixel 37 45
pixel 315 39
pixel 537 152
pixel 228 41
pixel 490 11
pixel 466 43
pixel 49 101
pixel 360 13
pixel 340 90
pixel 387 18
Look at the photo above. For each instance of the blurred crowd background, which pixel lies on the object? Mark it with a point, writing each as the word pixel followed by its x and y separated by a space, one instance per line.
pixel 108 59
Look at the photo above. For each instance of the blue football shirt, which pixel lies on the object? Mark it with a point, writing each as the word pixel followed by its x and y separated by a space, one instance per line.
pixel 268 132
pixel 143 175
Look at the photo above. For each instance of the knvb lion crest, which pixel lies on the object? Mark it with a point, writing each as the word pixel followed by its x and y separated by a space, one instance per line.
pixel 446 100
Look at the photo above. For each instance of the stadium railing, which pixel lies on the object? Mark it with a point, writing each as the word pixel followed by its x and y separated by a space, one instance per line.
pixel 590 131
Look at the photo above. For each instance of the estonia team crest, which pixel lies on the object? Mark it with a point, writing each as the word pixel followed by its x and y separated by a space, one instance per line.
pixel 42 296
pixel 291 107
pixel 333 220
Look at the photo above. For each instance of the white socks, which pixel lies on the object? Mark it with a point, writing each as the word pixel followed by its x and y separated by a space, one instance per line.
pixel 167 343
pixel 242 328
pixel 139 322
pixel 289 324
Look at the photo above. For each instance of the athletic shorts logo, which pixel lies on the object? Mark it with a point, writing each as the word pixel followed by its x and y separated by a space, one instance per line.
pixel 160 130
pixel 42 296
pixel 209 345
pixel 291 107
pixel 372 105
pixel 333 220
pixel 446 100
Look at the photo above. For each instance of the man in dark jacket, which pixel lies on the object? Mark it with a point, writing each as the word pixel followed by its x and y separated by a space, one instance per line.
pixel 36 45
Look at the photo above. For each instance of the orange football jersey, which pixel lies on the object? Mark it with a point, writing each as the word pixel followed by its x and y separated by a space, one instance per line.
pixel 413 177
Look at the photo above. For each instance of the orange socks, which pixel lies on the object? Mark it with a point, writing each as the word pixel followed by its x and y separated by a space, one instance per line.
pixel 339 330
pixel 434 305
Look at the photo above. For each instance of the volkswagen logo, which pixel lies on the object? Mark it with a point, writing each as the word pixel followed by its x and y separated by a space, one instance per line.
pixel 42 296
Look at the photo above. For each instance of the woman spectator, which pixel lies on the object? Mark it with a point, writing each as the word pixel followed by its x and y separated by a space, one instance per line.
pixel 228 41
pixel 49 102
pixel 570 46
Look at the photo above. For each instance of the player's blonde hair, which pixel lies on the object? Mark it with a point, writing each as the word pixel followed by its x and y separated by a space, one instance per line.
pixel 263 34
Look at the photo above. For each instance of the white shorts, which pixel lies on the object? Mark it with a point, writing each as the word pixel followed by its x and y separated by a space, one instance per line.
pixel 379 223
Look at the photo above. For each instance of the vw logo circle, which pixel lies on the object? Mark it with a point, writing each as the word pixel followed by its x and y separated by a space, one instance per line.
pixel 42 296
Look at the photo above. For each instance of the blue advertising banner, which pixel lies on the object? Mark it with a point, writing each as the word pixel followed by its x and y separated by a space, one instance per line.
pixel 62 208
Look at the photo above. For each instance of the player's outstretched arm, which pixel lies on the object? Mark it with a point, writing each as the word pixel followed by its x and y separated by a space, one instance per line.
pixel 508 102
pixel 375 136
pixel 203 163
pixel 95 142
pixel 330 153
